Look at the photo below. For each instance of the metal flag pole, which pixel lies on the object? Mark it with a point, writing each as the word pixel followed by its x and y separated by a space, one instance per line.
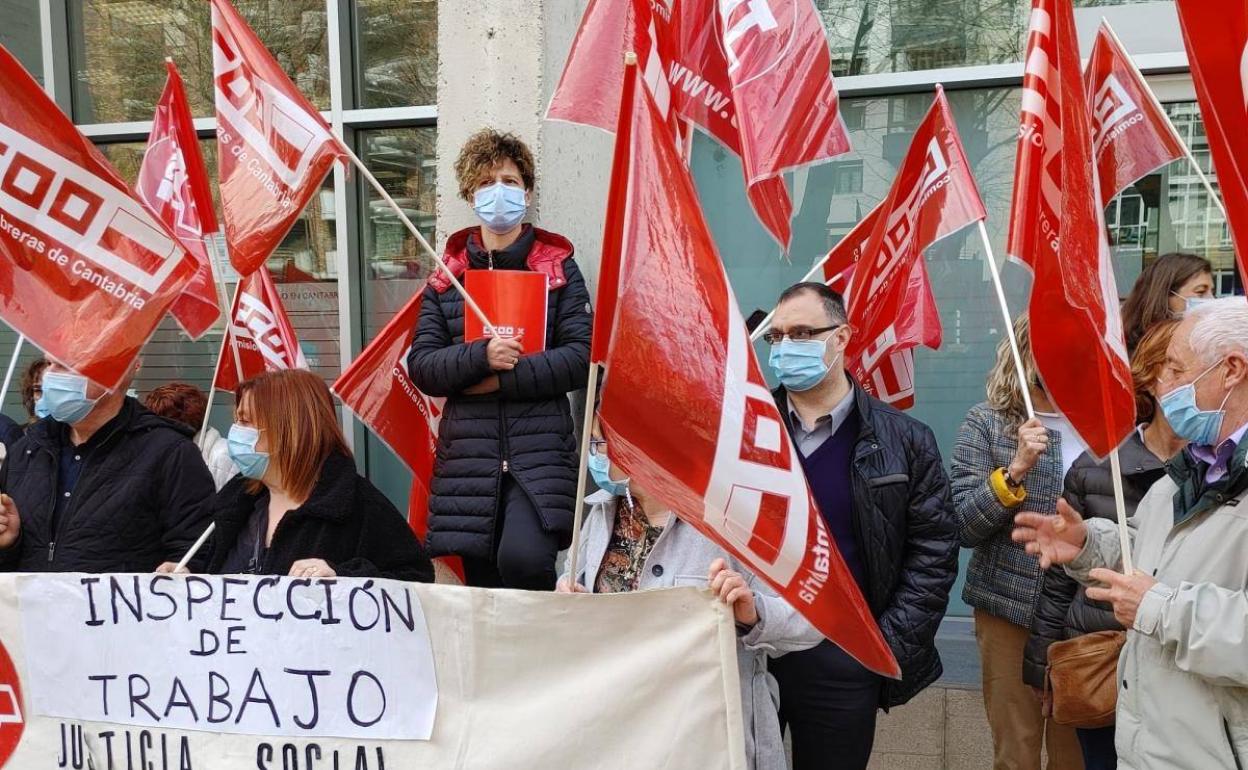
pixel 8 375
pixel 1009 321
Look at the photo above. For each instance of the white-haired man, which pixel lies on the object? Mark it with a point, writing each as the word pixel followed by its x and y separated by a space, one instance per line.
pixel 1183 675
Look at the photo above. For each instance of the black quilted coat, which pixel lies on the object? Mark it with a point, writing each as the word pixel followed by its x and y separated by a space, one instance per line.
pixel 1064 611
pixel 907 534
pixel 525 428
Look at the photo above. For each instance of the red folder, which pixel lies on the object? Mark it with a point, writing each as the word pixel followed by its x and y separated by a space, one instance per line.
pixel 513 300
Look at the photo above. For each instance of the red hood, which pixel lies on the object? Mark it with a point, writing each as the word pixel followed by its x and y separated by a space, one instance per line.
pixel 547 256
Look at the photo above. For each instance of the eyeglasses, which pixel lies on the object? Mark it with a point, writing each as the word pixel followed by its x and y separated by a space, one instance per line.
pixel 598 446
pixel 800 334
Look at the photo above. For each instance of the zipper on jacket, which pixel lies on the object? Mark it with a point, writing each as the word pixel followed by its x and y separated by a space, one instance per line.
pixel 57 521
pixel 1226 727
pixel 51 551
pixel 505 467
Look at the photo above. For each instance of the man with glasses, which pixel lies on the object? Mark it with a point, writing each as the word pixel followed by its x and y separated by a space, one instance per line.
pixel 877 477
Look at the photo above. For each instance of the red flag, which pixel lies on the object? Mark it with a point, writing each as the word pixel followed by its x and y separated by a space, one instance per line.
pixel 273 147
pixel 770 99
pixel 259 336
pixel 86 272
pixel 1216 37
pixel 1131 135
pixel 706 436
pixel 174 185
pixel 377 389
pixel 1057 228
pixel 933 195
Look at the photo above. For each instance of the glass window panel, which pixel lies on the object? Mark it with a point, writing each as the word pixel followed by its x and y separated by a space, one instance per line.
pixel 21 35
pixel 118 49
pixel 404 160
pixel 304 267
pixel 873 36
pixel 398 52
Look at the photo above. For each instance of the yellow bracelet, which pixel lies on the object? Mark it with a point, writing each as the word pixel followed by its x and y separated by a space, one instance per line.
pixel 1008 496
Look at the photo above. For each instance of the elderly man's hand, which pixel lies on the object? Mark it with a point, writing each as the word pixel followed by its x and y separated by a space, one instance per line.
pixel 1055 539
pixel 1125 592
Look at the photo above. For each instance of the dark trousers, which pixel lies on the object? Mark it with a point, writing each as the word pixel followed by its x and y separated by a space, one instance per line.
pixel 828 702
pixel 524 552
pixel 1098 748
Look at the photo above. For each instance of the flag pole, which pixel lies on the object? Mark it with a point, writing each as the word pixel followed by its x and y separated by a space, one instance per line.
pixel 612 245
pixel 765 324
pixel 372 180
pixel 223 296
pixel 199 543
pixel 8 375
pixel 1009 321
pixel 1174 132
pixel 1124 535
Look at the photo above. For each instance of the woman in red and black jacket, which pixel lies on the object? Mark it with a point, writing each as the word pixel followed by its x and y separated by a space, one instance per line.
pixel 504 480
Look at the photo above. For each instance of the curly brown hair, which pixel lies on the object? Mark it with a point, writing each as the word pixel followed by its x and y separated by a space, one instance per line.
pixel 486 149
pixel 180 402
pixel 1147 363
pixel 32 380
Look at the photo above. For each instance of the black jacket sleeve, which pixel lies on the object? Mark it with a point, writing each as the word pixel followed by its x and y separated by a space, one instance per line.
pixel 438 365
pixel 930 559
pixel 564 366
pixel 186 496
pixel 1057 591
pixel 386 547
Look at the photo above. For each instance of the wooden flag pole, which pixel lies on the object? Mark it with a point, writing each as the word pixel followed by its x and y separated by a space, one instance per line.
pixel 223 296
pixel 8 375
pixel 587 432
pixel 199 543
pixel 472 304
pixel 1009 321
pixel 1124 535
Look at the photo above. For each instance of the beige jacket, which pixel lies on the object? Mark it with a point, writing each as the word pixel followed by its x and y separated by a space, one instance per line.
pixel 682 557
pixel 1183 674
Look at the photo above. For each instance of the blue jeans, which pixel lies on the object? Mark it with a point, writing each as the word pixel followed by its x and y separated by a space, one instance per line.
pixel 1098 748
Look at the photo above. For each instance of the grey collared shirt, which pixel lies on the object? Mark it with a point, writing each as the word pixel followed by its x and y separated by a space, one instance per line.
pixel 810 440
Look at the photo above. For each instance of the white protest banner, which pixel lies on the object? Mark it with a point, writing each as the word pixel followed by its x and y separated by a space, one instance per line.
pixel 645 680
pixel 255 655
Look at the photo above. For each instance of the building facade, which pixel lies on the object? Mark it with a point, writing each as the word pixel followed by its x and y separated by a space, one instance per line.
pixel 406 81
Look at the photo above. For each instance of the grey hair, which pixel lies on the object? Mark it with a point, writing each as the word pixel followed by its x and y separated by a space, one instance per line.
pixel 1221 328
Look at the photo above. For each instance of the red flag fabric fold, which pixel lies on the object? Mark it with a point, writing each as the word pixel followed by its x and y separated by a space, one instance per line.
pixel 273 147
pixel 86 271
pixel 174 184
pixel 259 335
pixel 1131 135
pixel 1216 37
pixel 1057 228
pixel 706 437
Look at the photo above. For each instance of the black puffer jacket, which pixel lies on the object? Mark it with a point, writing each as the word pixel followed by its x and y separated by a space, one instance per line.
pixel 346 521
pixel 142 497
pixel 1064 611
pixel 525 428
pixel 907 535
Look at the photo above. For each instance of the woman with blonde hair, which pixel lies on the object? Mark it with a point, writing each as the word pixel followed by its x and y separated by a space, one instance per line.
pixel 298 507
pixel 1004 462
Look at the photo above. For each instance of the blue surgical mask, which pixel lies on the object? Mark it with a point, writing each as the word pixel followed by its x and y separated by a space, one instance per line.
pixel 65 397
pixel 600 470
pixel 242 442
pixel 500 207
pixel 799 363
pixel 41 408
pixel 1187 420
pixel 1191 303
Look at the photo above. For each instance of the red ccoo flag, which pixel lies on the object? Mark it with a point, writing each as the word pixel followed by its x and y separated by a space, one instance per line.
pixel 273 147
pixel 706 437
pixel 888 373
pixel 933 196
pixel 174 185
pixel 1216 37
pixel 1057 228
pixel 377 389
pixel 259 337
pixel 759 82
pixel 86 272
pixel 1131 135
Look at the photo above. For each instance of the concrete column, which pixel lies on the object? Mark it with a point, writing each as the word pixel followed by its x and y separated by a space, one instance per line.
pixel 498 64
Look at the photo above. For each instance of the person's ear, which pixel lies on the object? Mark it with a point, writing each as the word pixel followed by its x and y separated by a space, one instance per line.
pixel 1236 370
